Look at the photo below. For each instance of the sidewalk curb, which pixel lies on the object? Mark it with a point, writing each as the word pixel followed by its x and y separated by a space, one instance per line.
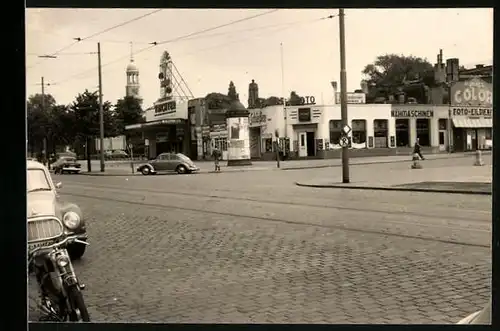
pixel 377 162
pixel 98 174
pixel 389 188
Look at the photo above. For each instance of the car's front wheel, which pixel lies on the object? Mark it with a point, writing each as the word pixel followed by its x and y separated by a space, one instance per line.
pixel 76 250
pixel 181 170
pixel 145 171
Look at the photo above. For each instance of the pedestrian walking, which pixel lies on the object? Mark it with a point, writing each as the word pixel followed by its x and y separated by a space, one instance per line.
pixel 417 149
pixel 217 154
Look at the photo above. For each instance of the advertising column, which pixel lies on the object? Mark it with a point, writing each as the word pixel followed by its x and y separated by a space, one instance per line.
pixel 238 144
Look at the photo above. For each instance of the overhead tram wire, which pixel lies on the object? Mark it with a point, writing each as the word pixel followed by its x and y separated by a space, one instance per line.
pixel 77 40
pixel 258 35
pixel 215 34
pixel 217 27
pixel 153 44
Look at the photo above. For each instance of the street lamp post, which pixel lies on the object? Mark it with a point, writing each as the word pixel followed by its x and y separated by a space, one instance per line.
pixel 343 95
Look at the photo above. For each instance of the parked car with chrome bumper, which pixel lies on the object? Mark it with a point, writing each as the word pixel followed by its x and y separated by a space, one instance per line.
pixel 479 317
pixel 66 164
pixel 177 162
pixel 43 201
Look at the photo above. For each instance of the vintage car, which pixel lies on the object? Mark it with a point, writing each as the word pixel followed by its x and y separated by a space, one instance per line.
pixel 66 164
pixel 482 316
pixel 177 162
pixel 43 200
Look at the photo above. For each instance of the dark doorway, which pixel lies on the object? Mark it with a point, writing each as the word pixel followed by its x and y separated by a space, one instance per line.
pixel 458 140
pixel 403 132
pixel 310 144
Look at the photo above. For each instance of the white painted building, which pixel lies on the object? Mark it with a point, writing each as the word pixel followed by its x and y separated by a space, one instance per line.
pixel 315 130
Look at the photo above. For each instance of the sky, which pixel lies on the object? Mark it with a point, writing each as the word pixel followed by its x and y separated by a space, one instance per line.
pixel 307 61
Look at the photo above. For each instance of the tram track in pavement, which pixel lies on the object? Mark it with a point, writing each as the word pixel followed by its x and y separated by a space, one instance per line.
pixel 330 205
pixel 137 193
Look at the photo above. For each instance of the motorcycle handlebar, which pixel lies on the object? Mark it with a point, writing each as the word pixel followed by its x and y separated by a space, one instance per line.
pixel 69 239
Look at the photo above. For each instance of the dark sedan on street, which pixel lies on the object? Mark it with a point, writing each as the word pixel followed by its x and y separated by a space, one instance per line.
pixel 177 162
pixel 66 164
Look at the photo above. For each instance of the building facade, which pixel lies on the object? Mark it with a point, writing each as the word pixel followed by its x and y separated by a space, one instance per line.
pixel 470 113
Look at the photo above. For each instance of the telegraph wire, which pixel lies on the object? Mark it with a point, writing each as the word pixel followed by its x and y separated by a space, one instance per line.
pixel 217 27
pixel 212 34
pixel 257 35
pixel 154 43
pixel 78 39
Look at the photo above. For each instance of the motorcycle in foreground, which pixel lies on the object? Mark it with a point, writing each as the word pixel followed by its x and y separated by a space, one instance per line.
pixel 49 259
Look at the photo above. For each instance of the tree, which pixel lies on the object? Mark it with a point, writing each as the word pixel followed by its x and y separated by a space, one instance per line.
pixel 128 110
pixel 294 99
pixel 85 110
pixel 216 100
pixel 273 101
pixel 231 93
pixel 42 122
pixel 391 71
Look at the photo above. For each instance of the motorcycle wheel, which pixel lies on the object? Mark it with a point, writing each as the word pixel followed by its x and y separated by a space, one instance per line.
pixel 76 297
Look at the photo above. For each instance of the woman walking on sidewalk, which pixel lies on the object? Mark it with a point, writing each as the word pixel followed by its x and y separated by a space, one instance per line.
pixel 417 149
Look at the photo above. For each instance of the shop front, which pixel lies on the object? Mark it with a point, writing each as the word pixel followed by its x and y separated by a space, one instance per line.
pixel 420 122
pixel 471 112
pixel 166 129
pixel 316 131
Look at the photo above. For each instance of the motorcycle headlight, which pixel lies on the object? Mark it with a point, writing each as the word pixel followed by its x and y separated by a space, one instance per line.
pixel 62 261
pixel 71 220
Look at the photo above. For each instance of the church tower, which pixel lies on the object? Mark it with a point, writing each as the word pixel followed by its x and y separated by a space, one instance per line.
pixel 132 87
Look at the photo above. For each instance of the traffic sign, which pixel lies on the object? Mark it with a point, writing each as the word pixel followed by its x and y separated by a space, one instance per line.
pixel 344 141
pixel 346 129
pixel 130 146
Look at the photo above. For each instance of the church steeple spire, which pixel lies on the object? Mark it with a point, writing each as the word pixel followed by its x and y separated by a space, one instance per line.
pixel 132 88
pixel 131 52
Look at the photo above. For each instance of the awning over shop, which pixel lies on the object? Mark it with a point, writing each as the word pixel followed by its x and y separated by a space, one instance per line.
pixel 472 123
pixel 146 125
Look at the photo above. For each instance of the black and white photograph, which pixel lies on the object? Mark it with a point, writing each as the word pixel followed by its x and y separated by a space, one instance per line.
pixel 317 166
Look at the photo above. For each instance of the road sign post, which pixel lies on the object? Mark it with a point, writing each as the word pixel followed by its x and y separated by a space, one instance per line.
pixel 130 147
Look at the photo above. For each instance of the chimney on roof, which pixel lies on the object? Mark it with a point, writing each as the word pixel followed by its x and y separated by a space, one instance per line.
pixel 479 66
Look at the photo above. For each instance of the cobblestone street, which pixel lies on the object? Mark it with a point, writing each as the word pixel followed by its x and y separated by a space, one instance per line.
pixel 251 247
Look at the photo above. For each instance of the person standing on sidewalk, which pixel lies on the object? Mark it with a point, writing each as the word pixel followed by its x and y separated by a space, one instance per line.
pixel 216 153
pixel 417 149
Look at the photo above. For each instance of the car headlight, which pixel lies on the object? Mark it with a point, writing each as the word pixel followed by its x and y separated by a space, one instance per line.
pixel 71 220
pixel 62 261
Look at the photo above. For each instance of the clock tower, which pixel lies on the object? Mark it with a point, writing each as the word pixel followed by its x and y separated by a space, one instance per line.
pixel 132 87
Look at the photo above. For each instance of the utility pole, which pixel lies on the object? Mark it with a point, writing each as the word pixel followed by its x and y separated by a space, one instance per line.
pixel 284 98
pixel 44 137
pixel 101 113
pixel 343 96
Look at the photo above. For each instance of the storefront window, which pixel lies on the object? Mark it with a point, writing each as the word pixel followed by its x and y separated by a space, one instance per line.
pixel 335 131
pixel 268 145
pixel 359 131
pixel 380 131
pixel 423 131
pixel 220 144
pixel 403 132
